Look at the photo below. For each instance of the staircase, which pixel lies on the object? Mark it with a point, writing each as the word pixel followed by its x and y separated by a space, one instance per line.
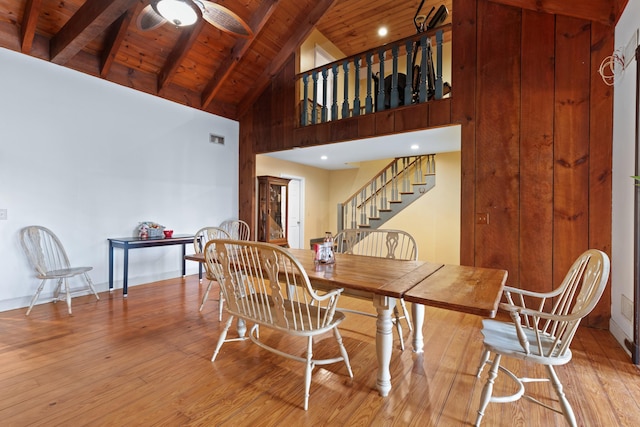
pixel 396 186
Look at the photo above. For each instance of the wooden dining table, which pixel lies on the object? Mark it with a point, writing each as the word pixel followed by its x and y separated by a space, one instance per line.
pixel 383 280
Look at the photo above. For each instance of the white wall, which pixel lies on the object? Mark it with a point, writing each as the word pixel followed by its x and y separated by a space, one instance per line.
pixel 90 159
pixel 623 186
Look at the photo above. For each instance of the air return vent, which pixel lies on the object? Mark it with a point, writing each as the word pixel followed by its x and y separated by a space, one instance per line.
pixel 216 139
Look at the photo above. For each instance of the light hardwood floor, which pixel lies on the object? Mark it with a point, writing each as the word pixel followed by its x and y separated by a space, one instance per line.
pixel 145 361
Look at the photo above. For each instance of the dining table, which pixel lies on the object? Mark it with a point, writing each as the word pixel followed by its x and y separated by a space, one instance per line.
pixel 472 290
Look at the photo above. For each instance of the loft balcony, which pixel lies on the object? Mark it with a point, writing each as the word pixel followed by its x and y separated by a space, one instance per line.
pixel 398 87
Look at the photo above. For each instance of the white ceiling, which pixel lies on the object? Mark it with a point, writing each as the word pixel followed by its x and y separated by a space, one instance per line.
pixel 347 155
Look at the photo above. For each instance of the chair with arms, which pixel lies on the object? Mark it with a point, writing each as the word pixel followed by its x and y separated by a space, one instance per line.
pixel 381 243
pixel 264 285
pixel 201 238
pixel 542 328
pixel 48 257
pixel 237 229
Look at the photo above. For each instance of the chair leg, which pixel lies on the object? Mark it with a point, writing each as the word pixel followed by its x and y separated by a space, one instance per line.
pixel 93 289
pixel 56 292
pixel 564 403
pixel 396 319
pixel 406 313
pixel 223 336
pixel 35 296
pixel 488 388
pixel 343 350
pixel 483 361
pixel 307 372
pixel 220 305
pixel 206 294
pixel 68 294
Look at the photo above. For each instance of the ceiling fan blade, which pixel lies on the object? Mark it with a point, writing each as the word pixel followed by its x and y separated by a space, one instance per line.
pixel 224 19
pixel 148 19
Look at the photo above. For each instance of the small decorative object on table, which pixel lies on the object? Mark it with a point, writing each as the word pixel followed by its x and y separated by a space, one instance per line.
pixel 324 251
pixel 150 229
pixel 168 234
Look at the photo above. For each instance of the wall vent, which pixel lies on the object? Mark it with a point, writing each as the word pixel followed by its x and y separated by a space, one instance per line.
pixel 216 139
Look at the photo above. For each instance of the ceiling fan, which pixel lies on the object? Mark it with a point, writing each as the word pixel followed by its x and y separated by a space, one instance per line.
pixel 182 13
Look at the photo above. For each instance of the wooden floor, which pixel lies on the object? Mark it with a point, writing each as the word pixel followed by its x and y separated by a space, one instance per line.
pixel 145 361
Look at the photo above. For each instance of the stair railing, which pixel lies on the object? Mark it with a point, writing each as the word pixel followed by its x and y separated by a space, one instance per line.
pixel 379 193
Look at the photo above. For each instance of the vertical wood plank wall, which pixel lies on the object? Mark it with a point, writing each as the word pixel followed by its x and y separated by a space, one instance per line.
pixel 463 111
pixel 571 143
pixel 536 140
pixel 497 137
pixel 536 150
pixel 600 160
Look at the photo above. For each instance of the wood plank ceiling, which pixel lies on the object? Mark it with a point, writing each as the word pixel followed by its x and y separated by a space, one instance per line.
pixel 205 67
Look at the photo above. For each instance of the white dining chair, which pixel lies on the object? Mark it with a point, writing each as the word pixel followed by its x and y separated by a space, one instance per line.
pixel 200 240
pixel 381 243
pixel 237 229
pixel 264 285
pixel 542 328
pixel 50 261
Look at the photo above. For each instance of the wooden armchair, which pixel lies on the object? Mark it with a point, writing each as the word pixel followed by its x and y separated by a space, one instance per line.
pixel 50 262
pixel 264 285
pixel 381 243
pixel 542 328
pixel 200 239
pixel 237 229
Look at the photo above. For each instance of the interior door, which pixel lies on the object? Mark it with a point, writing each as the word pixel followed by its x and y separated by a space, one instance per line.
pixel 294 222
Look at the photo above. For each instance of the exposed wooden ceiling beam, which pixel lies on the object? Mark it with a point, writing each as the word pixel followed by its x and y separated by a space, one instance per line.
pixel 604 11
pixel 114 39
pixel 187 38
pixel 84 26
pixel 305 25
pixel 258 21
pixel 29 22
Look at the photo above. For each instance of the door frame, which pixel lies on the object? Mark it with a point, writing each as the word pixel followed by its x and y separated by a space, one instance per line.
pixel 301 181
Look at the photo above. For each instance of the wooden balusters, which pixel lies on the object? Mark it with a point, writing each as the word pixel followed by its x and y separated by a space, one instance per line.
pixel 356 100
pixel 392 91
pixel 345 102
pixel 368 100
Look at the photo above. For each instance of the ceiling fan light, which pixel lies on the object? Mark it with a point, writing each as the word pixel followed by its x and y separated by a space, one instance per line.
pixel 178 12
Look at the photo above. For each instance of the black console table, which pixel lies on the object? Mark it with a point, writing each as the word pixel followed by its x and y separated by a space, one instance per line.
pixel 127 243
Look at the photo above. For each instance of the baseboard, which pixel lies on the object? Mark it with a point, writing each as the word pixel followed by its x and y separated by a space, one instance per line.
pixel 47 294
pixel 619 335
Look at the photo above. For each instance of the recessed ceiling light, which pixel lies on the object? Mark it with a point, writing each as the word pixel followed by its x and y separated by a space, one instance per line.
pixel 415 147
pixel 323 157
pixel 382 31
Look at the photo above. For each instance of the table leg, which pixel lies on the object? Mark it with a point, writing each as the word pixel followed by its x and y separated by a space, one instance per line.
pixel 200 263
pixel 110 267
pixel 417 317
pixel 384 341
pixel 184 262
pixel 125 288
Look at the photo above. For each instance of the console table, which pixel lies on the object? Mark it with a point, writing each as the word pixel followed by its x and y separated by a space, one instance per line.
pixel 127 243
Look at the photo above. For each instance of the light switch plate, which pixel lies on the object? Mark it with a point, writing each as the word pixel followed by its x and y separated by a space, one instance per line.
pixel 3 214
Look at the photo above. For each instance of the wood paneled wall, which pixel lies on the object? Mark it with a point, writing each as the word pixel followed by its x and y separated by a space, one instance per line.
pixel 536 139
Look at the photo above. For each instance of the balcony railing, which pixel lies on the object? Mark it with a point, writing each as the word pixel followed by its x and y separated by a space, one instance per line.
pixel 360 84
